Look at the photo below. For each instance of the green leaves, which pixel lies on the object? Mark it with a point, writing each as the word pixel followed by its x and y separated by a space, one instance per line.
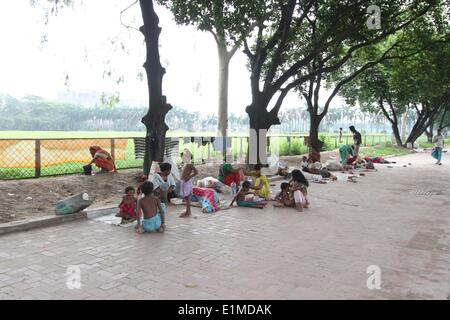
pixel 229 20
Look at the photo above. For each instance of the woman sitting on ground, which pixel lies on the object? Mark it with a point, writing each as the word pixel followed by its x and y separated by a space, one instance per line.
pixel 164 183
pixel 228 175
pixel 102 159
pixel 298 186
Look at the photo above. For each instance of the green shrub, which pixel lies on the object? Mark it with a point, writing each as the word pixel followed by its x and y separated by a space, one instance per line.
pixel 328 142
pixel 296 147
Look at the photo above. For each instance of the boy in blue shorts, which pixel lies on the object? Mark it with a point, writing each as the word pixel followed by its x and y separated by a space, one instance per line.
pixel 152 210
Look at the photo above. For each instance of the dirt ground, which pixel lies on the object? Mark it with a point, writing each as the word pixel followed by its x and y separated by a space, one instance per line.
pixel 33 198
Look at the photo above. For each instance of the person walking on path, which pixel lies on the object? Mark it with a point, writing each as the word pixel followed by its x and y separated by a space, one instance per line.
pixel 438 146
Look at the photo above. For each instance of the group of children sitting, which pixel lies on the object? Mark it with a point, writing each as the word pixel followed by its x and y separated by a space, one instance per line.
pixel 148 212
pixel 292 194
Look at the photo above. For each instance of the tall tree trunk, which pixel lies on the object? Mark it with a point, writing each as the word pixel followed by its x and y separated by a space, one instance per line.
pixel 397 136
pixel 314 131
pixel 393 120
pixel 222 112
pixel 404 120
pixel 154 120
pixel 424 120
pixel 260 122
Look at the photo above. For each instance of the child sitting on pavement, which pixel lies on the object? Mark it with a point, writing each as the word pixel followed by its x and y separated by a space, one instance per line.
pixel 283 169
pixel 298 187
pixel 241 201
pixel 261 186
pixel 127 208
pixel 284 198
pixel 152 210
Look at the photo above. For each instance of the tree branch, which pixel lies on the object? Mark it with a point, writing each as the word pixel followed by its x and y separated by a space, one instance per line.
pixel 385 112
pixel 281 34
pixel 247 51
pixel 121 13
pixel 293 70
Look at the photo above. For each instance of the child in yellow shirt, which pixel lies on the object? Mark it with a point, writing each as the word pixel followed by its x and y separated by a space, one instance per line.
pixel 261 184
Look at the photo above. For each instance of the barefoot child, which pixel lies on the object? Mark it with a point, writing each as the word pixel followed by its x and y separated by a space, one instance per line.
pixel 152 210
pixel 284 198
pixel 240 198
pixel 128 206
pixel 298 187
pixel 189 171
pixel 261 186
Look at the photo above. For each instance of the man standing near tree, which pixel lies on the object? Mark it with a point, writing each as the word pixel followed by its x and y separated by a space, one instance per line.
pixel 357 139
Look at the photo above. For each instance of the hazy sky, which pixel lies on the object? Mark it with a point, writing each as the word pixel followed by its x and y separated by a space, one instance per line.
pixel 79 45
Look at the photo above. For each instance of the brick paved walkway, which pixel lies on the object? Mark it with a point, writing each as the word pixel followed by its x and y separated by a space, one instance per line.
pixel 397 219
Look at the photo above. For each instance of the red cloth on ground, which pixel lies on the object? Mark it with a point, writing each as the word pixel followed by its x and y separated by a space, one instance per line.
pixel 206 193
pixel 232 177
pixel 374 160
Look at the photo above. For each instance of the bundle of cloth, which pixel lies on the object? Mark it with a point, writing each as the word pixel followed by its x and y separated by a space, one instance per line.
pixel 207 198
pixel 213 183
pixel 356 161
pixel 333 165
